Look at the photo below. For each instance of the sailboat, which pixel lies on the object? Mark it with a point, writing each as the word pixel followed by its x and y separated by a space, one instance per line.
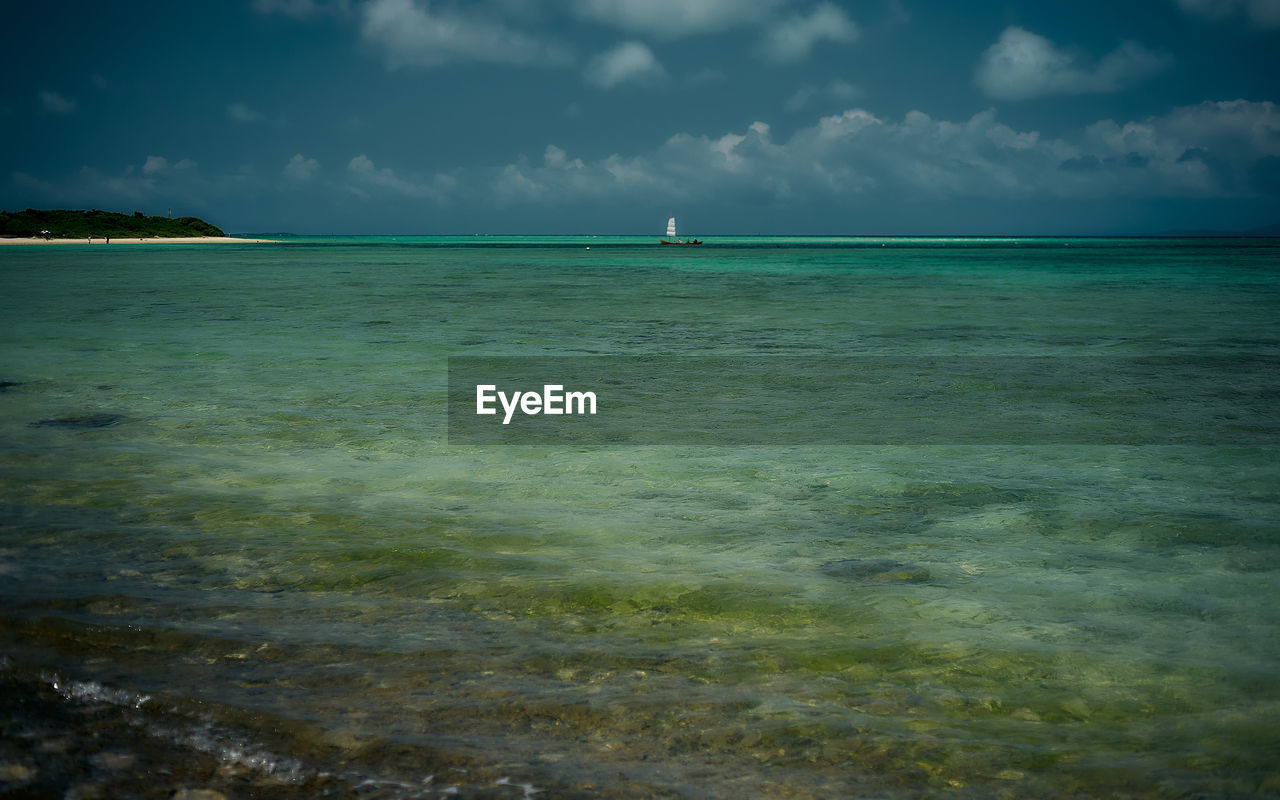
pixel 671 235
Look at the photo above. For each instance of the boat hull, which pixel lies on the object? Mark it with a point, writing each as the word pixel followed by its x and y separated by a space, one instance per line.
pixel 682 244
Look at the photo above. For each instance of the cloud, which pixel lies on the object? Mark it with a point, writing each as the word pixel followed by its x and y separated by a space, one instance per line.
pixel 1023 65
pixel 834 92
pixel 89 188
pixel 629 61
pixel 368 179
pixel 158 183
pixel 301 168
pixel 302 9
pixel 793 39
pixel 1213 150
pixel 1222 143
pixel 896 14
pixel 242 113
pixel 562 179
pixel 362 167
pixel 1262 13
pixel 556 158
pixel 156 165
pixel 413 36
pixel 854 161
pixel 55 103
pixel 672 19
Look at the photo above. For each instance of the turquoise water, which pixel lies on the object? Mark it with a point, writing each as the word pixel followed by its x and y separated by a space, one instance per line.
pixel 227 487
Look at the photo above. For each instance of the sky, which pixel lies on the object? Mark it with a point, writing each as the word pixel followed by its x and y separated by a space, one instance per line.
pixel 606 116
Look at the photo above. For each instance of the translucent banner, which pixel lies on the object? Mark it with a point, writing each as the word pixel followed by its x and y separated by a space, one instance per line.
pixel 859 400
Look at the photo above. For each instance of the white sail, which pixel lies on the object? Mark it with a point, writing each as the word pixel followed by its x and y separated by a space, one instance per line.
pixel 671 228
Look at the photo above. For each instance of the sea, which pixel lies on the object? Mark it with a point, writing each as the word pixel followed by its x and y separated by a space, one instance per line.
pixel 243 553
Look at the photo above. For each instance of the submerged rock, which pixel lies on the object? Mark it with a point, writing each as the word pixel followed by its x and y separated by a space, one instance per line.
pixel 6 385
pixel 876 570
pixel 80 421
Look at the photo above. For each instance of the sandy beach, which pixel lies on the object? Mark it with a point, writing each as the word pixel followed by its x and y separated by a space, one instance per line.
pixel 149 240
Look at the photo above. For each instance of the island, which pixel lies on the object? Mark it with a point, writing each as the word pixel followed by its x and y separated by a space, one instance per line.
pixel 80 227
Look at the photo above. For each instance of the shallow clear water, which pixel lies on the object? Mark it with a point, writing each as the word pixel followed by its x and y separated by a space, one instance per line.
pixel 266 520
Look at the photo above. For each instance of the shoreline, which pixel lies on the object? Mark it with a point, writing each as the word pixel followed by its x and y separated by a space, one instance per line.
pixel 36 240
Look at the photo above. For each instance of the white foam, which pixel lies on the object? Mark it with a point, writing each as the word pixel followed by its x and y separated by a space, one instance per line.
pixel 94 692
pixel 528 788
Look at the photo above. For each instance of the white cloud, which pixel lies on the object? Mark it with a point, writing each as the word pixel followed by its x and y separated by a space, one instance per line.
pixel 1263 13
pixel 727 147
pixel 793 39
pixel 684 166
pixel 513 185
pixel 410 35
pixel 242 113
pixel 1235 128
pixel 1216 143
pixel 159 184
pixel 302 9
pixel 159 165
pixel 55 103
pixel 847 124
pixel 366 175
pixel 556 157
pixel 629 61
pixel 834 92
pixel 301 168
pixel 1022 65
pixel 671 19
pixel 854 159
pixel 1202 151
pixel 367 178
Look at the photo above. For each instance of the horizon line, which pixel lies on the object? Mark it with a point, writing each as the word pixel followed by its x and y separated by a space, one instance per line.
pixel 1160 235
